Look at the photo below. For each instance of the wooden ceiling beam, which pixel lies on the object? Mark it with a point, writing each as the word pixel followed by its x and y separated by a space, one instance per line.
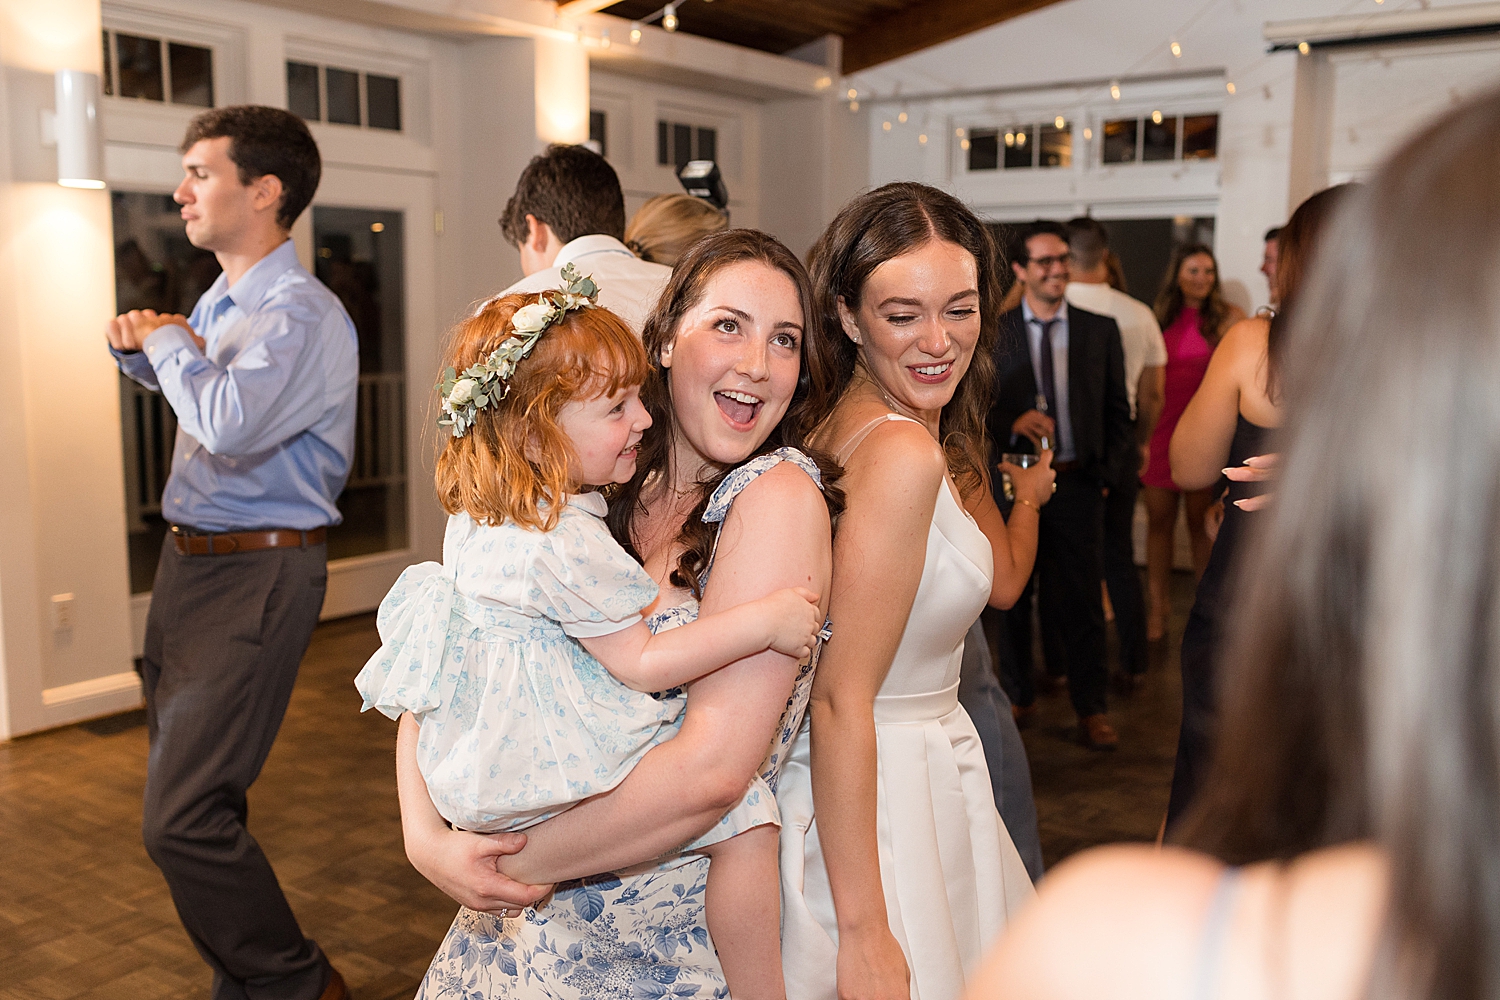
pixel 924 24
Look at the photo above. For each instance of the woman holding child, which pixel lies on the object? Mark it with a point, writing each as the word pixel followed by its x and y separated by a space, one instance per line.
pixel 728 508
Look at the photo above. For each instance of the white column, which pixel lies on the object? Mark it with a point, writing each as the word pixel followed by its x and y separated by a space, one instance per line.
pixel 61 470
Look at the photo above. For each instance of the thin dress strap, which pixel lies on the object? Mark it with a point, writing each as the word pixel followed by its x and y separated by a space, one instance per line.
pixel 851 445
pixel 1215 934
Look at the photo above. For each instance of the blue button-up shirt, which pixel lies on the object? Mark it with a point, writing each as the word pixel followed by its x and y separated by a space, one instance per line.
pixel 265 412
pixel 1063 417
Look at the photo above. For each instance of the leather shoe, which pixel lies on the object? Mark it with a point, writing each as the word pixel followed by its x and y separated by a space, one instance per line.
pixel 1096 733
pixel 335 990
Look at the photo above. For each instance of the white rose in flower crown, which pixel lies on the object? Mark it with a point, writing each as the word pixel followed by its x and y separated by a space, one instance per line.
pixel 463 391
pixel 530 319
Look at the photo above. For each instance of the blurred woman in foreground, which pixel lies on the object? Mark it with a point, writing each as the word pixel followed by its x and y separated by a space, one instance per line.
pixel 1347 842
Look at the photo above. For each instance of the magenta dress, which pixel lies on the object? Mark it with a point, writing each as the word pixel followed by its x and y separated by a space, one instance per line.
pixel 1187 361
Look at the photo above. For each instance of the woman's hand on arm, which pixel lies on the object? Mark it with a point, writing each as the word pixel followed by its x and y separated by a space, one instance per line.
pixel 776 536
pixel 892 484
pixel 1200 444
pixel 461 864
pixel 1013 544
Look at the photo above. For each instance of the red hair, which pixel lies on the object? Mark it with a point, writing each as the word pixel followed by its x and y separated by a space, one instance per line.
pixel 516 458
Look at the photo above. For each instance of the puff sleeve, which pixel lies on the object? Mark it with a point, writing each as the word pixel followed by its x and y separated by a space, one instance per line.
pixel 581 578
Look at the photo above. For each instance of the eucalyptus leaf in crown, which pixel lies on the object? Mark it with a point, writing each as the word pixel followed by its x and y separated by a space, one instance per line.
pixel 480 385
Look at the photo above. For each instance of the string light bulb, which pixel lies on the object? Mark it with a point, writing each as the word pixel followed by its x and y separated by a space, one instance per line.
pixel 1156 117
pixel 886 126
pixel 959 132
pixel 922 139
pixel 902 118
pixel 635 32
pixel 1304 48
pixel 669 17
pixel 1176 50
pixel 1021 138
pixel 853 105
pixel 1010 138
pixel 964 144
pixel 1088 134
pixel 1060 122
pixel 1114 89
pixel 1229 86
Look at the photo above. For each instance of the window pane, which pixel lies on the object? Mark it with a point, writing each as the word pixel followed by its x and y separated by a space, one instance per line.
pixel 1161 140
pixel 597 131
pixel 383 100
pixel 663 144
pixel 682 145
pixel 192 74
pixel 1200 137
pixel 343 96
pixel 1057 145
pixel 1019 143
pixel 984 149
pixel 708 144
pixel 360 259
pixel 109 75
pixel 140 67
pixel 302 91
pixel 1119 140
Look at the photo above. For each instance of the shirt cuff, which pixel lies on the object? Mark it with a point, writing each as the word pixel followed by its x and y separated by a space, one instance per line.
pixel 590 630
pixel 164 340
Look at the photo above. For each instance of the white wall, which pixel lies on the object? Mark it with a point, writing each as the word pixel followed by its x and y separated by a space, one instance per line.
pixel 1065 55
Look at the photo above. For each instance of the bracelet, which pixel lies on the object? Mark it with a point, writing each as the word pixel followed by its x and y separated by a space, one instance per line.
pixel 1030 504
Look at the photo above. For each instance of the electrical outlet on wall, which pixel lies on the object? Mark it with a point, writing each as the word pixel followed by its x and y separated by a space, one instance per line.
pixel 62 612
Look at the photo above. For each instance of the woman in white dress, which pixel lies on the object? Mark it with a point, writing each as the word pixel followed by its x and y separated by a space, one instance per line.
pixel 897 872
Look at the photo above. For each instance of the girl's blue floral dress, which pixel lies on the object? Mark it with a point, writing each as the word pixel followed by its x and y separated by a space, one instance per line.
pixel 627 935
pixel 518 721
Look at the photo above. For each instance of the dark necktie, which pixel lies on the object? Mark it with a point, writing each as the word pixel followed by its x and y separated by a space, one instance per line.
pixel 1049 376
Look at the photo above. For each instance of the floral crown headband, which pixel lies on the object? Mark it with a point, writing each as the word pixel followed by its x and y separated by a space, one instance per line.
pixel 489 381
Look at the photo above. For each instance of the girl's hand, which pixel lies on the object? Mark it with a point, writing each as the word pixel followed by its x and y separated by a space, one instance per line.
pixel 794 621
pixel 1034 485
pixel 465 867
pixel 872 967
pixel 1257 469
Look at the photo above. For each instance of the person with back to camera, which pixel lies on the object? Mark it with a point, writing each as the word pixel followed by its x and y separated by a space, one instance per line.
pixel 568 209
pixel 726 506
pixel 1228 423
pixel 897 871
pixel 1145 359
pixel 1193 317
pixel 666 225
pixel 517 721
pixel 263 379
pixel 1346 842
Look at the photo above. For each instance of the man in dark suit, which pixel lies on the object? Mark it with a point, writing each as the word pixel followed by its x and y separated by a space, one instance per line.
pixel 1060 383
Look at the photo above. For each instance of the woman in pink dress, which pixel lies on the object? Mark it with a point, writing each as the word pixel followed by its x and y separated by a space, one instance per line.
pixel 1193 316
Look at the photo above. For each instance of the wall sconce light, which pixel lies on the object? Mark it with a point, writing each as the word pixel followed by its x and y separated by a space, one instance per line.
pixel 80 156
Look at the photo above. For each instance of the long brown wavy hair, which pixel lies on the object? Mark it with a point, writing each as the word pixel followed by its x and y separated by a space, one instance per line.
pixel 876 227
pixel 685 290
pixel 1214 311
pixel 1362 671
pixel 516 457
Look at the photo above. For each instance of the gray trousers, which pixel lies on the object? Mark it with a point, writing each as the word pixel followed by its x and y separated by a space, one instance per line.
pixel 224 639
pixel 980 694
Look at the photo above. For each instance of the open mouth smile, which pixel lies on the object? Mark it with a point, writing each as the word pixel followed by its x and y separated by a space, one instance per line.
pixel 739 408
pixel 931 374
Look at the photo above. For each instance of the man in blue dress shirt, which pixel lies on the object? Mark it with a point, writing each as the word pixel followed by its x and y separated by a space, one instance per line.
pixel 262 377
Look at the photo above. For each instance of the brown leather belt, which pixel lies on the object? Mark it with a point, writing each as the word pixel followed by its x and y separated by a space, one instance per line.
pixel 192 544
pixel 1067 466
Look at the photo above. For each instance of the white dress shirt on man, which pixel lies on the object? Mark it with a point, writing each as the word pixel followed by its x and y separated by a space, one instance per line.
pixel 628 286
pixel 1140 335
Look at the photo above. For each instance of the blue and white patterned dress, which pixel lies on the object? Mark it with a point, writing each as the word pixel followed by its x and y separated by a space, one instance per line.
pixel 626 935
pixel 518 722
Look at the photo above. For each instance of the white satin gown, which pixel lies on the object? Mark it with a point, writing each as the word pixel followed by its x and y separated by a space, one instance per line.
pixel 951 875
